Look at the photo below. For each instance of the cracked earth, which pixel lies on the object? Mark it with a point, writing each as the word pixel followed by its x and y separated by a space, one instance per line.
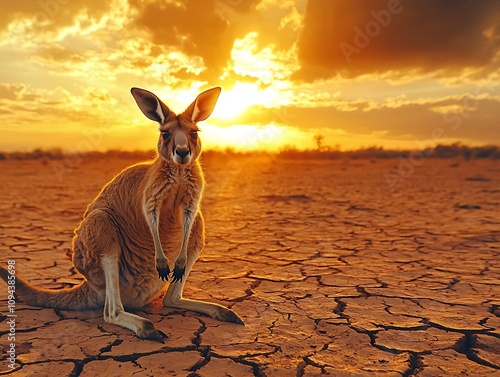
pixel 332 272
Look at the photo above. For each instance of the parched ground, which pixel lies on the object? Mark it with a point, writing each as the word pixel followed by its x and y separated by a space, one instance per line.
pixel 342 268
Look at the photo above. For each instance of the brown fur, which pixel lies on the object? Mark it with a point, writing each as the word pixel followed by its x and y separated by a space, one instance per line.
pixel 114 247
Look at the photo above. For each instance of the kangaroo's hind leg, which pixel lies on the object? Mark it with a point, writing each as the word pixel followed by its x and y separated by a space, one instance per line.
pixel 173 298
pixel 106 241
pixel 113 308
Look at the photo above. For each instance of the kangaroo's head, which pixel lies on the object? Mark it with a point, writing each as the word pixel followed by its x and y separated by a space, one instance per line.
pixel 178 141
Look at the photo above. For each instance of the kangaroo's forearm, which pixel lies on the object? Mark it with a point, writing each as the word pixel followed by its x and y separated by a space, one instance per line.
pixel 187 225
pixel 151 209
pixel 151 206
pixel 153 224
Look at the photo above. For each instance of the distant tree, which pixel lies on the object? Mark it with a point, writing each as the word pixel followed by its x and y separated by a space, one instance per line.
pixel 318 139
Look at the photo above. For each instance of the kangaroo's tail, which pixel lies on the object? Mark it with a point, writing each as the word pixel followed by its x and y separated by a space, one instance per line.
pixel 79 297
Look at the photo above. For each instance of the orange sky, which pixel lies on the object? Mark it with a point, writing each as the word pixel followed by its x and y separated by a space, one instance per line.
pixel 392 73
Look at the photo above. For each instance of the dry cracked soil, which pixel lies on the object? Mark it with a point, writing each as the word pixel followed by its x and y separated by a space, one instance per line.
pixel 341 268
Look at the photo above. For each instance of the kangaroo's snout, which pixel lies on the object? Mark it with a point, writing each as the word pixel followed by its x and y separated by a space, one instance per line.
pixel 182 154
pixel 182 151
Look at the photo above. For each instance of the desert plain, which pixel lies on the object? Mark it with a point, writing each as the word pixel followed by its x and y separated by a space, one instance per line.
pixel 338 267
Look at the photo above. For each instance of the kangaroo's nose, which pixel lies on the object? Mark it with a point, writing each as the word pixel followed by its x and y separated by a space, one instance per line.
pixel 182 151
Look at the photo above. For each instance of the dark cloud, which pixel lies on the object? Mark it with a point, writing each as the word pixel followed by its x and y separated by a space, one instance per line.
pixel 197 27
pixel 370 36
pixel 472 119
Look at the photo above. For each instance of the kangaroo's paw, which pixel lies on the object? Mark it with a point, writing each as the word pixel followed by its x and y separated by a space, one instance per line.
pixel 163 269
pixel 149 331
pixel 178 274
pixel 163 273
pixel 227 315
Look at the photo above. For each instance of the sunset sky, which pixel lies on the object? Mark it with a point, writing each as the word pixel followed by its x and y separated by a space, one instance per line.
pixel 397 74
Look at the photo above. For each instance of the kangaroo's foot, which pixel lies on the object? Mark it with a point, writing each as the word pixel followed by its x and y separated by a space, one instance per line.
pixel 227 315
pixel 143 328
pixel 209 308
pixel 148 331
pixel 173 297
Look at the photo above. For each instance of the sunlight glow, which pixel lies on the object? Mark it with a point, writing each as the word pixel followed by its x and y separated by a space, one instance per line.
pixel 72 64
pixel 243 95
pixel 243 137
pixel 266 64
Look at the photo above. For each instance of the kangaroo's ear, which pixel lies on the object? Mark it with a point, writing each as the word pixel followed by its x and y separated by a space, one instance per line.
pixel 203 105
pixel 150 105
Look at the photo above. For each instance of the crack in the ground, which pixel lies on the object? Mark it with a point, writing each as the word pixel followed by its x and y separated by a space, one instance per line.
pixel 301 368
pixel 452 283
pixel 466 346
pixel 248 293
pixel 415 366
pixel 108 348
pixel 20 366
pixel 80 363
pixel 196 340
pixel 461 331
pixel 363 291
pixel 415 299
pixel 315 364
pixel 208 354
pixel 495 310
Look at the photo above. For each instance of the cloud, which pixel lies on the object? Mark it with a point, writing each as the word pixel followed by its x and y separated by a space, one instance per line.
pixel 194 27
pixel 22 104
pixel 171 42
pixel 12 91
pixel 51 15
pixel 374 36
pixel 465 117
pixel 230 36
pixel 267 65
pixel 70 65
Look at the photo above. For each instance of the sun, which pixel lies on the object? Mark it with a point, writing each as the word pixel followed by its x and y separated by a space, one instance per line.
pixel 235 101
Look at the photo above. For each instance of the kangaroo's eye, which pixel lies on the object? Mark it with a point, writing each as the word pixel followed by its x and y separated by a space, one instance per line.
pixel 194 134
pixel 165 134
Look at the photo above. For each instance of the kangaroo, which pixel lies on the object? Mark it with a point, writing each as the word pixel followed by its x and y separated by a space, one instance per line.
pixel 142 220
